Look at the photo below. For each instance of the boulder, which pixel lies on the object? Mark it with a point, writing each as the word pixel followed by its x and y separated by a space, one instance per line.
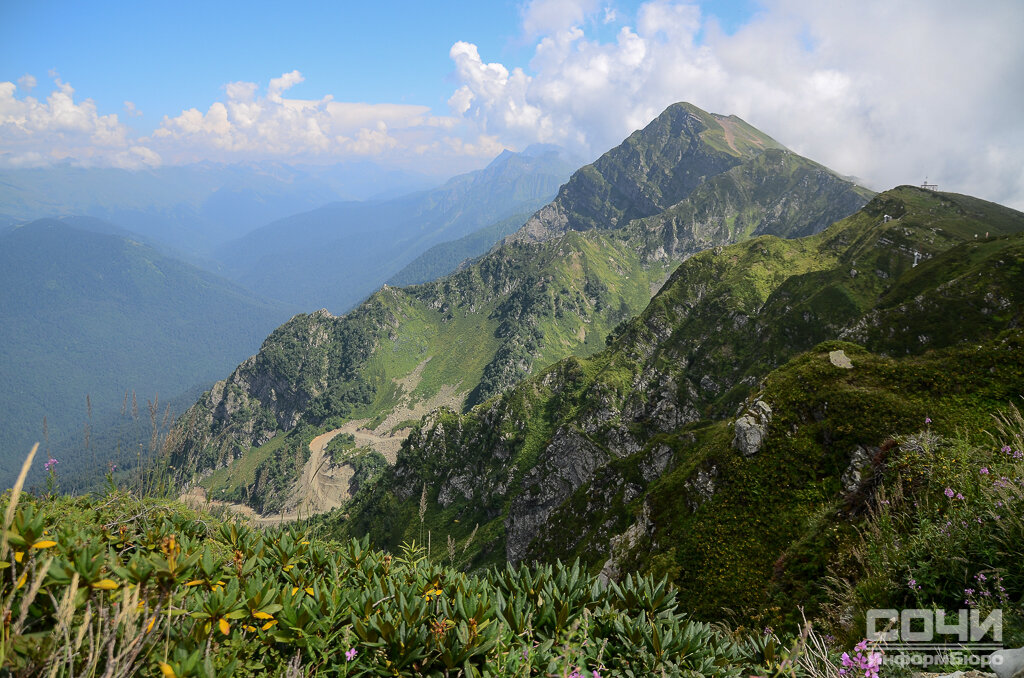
pixel 752 428
pixel 860 462
pixel 1008 663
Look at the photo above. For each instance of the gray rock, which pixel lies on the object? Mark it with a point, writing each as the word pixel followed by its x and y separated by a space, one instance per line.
pixel 860 461
pixel 568 462
pixel 701 487
pixel 752 429
pixel 1008 663
pixel 709 385
pixel 973 673
pixel 623 544
pixel 655 463
pixel 840 359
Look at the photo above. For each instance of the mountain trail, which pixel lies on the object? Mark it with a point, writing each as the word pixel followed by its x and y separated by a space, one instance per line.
pixel 323 486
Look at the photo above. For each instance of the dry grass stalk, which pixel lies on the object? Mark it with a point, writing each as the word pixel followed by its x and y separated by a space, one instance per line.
pixel 472 535
pixel 15 496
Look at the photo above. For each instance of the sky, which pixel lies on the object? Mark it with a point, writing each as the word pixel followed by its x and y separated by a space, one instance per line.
pixel 889 92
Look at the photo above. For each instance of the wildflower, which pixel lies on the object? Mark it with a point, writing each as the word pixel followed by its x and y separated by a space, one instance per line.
pixel 927 420
pixel 1006 449
pixel 350 654
pixel 949 492
pixel 50 464
pixel 984 471
pixel 980 576
pixel 596 674
pixel 959 496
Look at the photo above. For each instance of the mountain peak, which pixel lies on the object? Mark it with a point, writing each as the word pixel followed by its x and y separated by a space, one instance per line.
pixel 653 169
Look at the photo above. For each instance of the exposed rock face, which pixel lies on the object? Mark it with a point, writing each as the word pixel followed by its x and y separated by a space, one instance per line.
pixel 752 429
pixel 620 546
pixel 860 464
pixel 701 487
pixel 569 462
pixel 840 359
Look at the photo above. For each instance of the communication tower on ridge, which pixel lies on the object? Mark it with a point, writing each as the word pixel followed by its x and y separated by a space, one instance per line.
pixel 929 187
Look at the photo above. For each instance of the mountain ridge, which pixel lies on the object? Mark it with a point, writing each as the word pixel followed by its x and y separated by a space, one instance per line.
pixel 611 458
pixel 522 306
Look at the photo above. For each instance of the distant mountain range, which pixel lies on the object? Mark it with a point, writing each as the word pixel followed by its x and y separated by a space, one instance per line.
pixel 94 308
pixel 192 209
pixel 336 255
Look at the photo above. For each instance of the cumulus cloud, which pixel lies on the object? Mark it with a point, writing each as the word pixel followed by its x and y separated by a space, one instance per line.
pixel 249 124
pixel 27 82
pixel 888 92
pixel 35 132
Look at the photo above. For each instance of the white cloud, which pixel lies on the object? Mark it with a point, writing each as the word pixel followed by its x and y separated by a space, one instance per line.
pixel 248 124
pixel 887 91
pixel 543 17
pixel 251 125
pixel 35 132
pixel 27 82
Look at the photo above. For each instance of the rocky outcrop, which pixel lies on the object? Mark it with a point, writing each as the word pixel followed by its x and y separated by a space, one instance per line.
pixel 752 428
pixel 1008 663
pixel 568 462
pixel 859 467
pixel 622 545
pixel 701 487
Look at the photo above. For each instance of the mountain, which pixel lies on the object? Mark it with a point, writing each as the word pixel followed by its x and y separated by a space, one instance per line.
pixel 446 257
pixel 191 209
pixel 97 313
pixel 529 302
pixel 338 254
pixel 734 434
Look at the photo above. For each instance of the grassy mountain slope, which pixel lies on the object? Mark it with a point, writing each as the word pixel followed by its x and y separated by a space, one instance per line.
pixel 526 304
pixel 631 458
pixel 84 313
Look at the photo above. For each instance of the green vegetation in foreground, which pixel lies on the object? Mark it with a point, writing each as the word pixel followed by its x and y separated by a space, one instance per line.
pixel 122 585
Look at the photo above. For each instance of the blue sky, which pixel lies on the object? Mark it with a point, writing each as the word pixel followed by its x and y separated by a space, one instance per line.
pixel 165 62
pixel 889 92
